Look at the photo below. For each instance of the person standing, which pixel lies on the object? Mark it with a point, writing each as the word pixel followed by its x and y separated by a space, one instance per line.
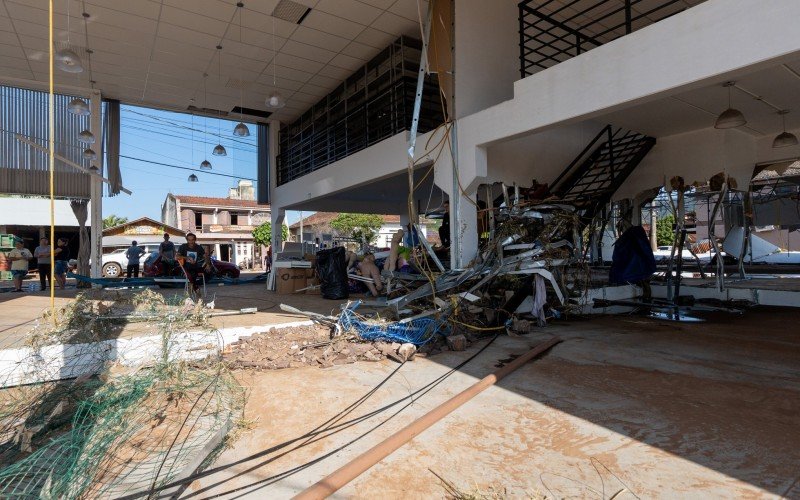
pixel 134 253
pixel 444 229
pixel 19 258
pixel 42 255
pixel 167 252
pixel 61 258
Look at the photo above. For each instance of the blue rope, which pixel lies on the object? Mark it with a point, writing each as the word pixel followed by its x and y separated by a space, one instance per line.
pixel 417 332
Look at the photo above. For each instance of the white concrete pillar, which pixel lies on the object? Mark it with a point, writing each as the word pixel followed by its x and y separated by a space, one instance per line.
pixel 96 196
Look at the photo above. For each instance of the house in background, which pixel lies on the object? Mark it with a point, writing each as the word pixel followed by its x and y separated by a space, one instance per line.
pixel 226 224
pixel 143 230
pixel 318 225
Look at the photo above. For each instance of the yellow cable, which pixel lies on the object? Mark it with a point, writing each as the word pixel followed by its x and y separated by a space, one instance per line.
pixel 479 328
pixel 52 133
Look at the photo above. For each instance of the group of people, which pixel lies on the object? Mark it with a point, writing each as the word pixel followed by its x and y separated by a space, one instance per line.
pixel 190 256
pixel 20 258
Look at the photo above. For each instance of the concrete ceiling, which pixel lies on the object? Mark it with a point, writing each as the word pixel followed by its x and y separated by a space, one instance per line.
pixel 698 108
pixel 155 53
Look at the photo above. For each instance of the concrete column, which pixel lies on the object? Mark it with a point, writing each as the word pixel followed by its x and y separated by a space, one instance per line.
pixel 278 216
pixel 96 200
pixel 216 250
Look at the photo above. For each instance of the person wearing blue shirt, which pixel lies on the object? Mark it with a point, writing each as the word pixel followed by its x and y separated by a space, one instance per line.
pixel 134 253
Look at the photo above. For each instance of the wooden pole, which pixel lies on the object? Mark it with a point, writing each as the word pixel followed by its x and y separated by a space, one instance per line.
pixel 363 462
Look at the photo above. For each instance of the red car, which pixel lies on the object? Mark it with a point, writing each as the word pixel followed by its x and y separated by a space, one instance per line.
pixel 153 268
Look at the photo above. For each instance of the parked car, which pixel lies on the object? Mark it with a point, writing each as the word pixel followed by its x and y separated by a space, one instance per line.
pixel 115 263
pixel 153 267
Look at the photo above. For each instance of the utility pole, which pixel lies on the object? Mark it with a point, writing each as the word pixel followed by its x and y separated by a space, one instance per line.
pixel 653 228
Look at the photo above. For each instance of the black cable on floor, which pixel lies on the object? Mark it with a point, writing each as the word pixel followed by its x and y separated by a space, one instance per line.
pixel 277 477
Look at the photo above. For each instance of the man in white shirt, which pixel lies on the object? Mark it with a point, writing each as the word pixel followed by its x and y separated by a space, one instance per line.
pixel 19 258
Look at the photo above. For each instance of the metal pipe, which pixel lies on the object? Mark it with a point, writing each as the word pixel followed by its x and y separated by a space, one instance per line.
pixel 335 481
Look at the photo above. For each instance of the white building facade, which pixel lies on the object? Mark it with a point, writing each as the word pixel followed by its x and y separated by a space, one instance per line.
pixel 657 75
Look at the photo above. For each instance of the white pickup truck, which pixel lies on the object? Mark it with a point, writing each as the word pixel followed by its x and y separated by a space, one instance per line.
pixel 115 263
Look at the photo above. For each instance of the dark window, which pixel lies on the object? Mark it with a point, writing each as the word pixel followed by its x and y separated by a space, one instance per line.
pixel 198 220
pixel 234 219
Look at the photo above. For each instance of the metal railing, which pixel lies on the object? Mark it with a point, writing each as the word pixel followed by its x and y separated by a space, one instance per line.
pixel 373 104
pixel 552 31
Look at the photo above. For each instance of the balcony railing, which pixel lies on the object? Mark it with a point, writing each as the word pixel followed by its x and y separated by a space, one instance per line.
pixel 552 31
pixel 373 104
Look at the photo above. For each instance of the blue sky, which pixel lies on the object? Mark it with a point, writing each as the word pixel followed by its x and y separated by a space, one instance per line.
pixel 149 135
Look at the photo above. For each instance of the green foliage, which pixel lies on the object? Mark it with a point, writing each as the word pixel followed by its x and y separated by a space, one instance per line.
pixel 664 232
pixel 358 226
pixel 262 235
pixel 112 220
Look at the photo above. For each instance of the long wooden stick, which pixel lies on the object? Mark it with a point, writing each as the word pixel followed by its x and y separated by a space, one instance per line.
pixel 363 462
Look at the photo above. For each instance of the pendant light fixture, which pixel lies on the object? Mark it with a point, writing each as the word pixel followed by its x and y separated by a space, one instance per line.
pixel 730 118
pixel 79 107
pixel 275 100
pixel 205 164
pixel 192 177
pixel 241 130
pixel 86 137
pixel 65 58
pixel 219 149
pixel 89 154
pixel 784 139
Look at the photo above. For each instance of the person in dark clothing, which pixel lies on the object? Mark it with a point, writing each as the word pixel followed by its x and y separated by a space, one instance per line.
pixel 167 252
pixel 134 254
pixel 61 257
pixel 42 255
pixel 193 257
pixel 444 229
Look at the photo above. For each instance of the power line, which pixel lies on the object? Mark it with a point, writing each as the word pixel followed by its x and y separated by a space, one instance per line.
pixel 187 168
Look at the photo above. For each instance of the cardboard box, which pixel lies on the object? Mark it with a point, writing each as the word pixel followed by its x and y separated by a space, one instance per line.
pixel 290 279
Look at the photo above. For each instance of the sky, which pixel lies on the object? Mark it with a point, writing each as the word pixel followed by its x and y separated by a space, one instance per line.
pixel 154 142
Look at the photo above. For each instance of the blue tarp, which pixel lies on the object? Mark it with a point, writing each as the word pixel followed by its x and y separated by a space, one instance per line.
pixel 633 259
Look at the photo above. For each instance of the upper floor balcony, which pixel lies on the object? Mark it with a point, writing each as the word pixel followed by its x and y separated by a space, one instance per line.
pixel 552 31
pixel 373 104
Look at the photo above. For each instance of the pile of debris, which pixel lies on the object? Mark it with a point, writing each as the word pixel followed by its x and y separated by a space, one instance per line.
pixel 294 347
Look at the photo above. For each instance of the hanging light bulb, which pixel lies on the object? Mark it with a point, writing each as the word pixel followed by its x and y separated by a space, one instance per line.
pixel 89 154
pixel 275 101
pixel 79 107
pixel 193 178
pixel 205 165
pixel 86 137
pixel 219 149
pixel 784 139
pixel 730 118
pixel 68 61
pixel 241 130
pixel 65 58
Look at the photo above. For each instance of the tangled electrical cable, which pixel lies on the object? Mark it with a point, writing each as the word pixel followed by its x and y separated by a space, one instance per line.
pixel 328 428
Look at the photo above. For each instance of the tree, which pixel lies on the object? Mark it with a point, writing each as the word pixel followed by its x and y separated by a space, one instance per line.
pixel 112 220
pixel 358 226
pixel 262 235
pixel 665 235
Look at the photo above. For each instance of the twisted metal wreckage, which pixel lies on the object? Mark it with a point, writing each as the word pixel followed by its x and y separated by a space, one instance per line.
pixel 528 247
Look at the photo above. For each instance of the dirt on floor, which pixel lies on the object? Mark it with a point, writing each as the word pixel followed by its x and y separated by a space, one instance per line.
pixel 280 348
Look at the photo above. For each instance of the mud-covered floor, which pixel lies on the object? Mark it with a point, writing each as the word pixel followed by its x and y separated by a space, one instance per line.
pixel 658 409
